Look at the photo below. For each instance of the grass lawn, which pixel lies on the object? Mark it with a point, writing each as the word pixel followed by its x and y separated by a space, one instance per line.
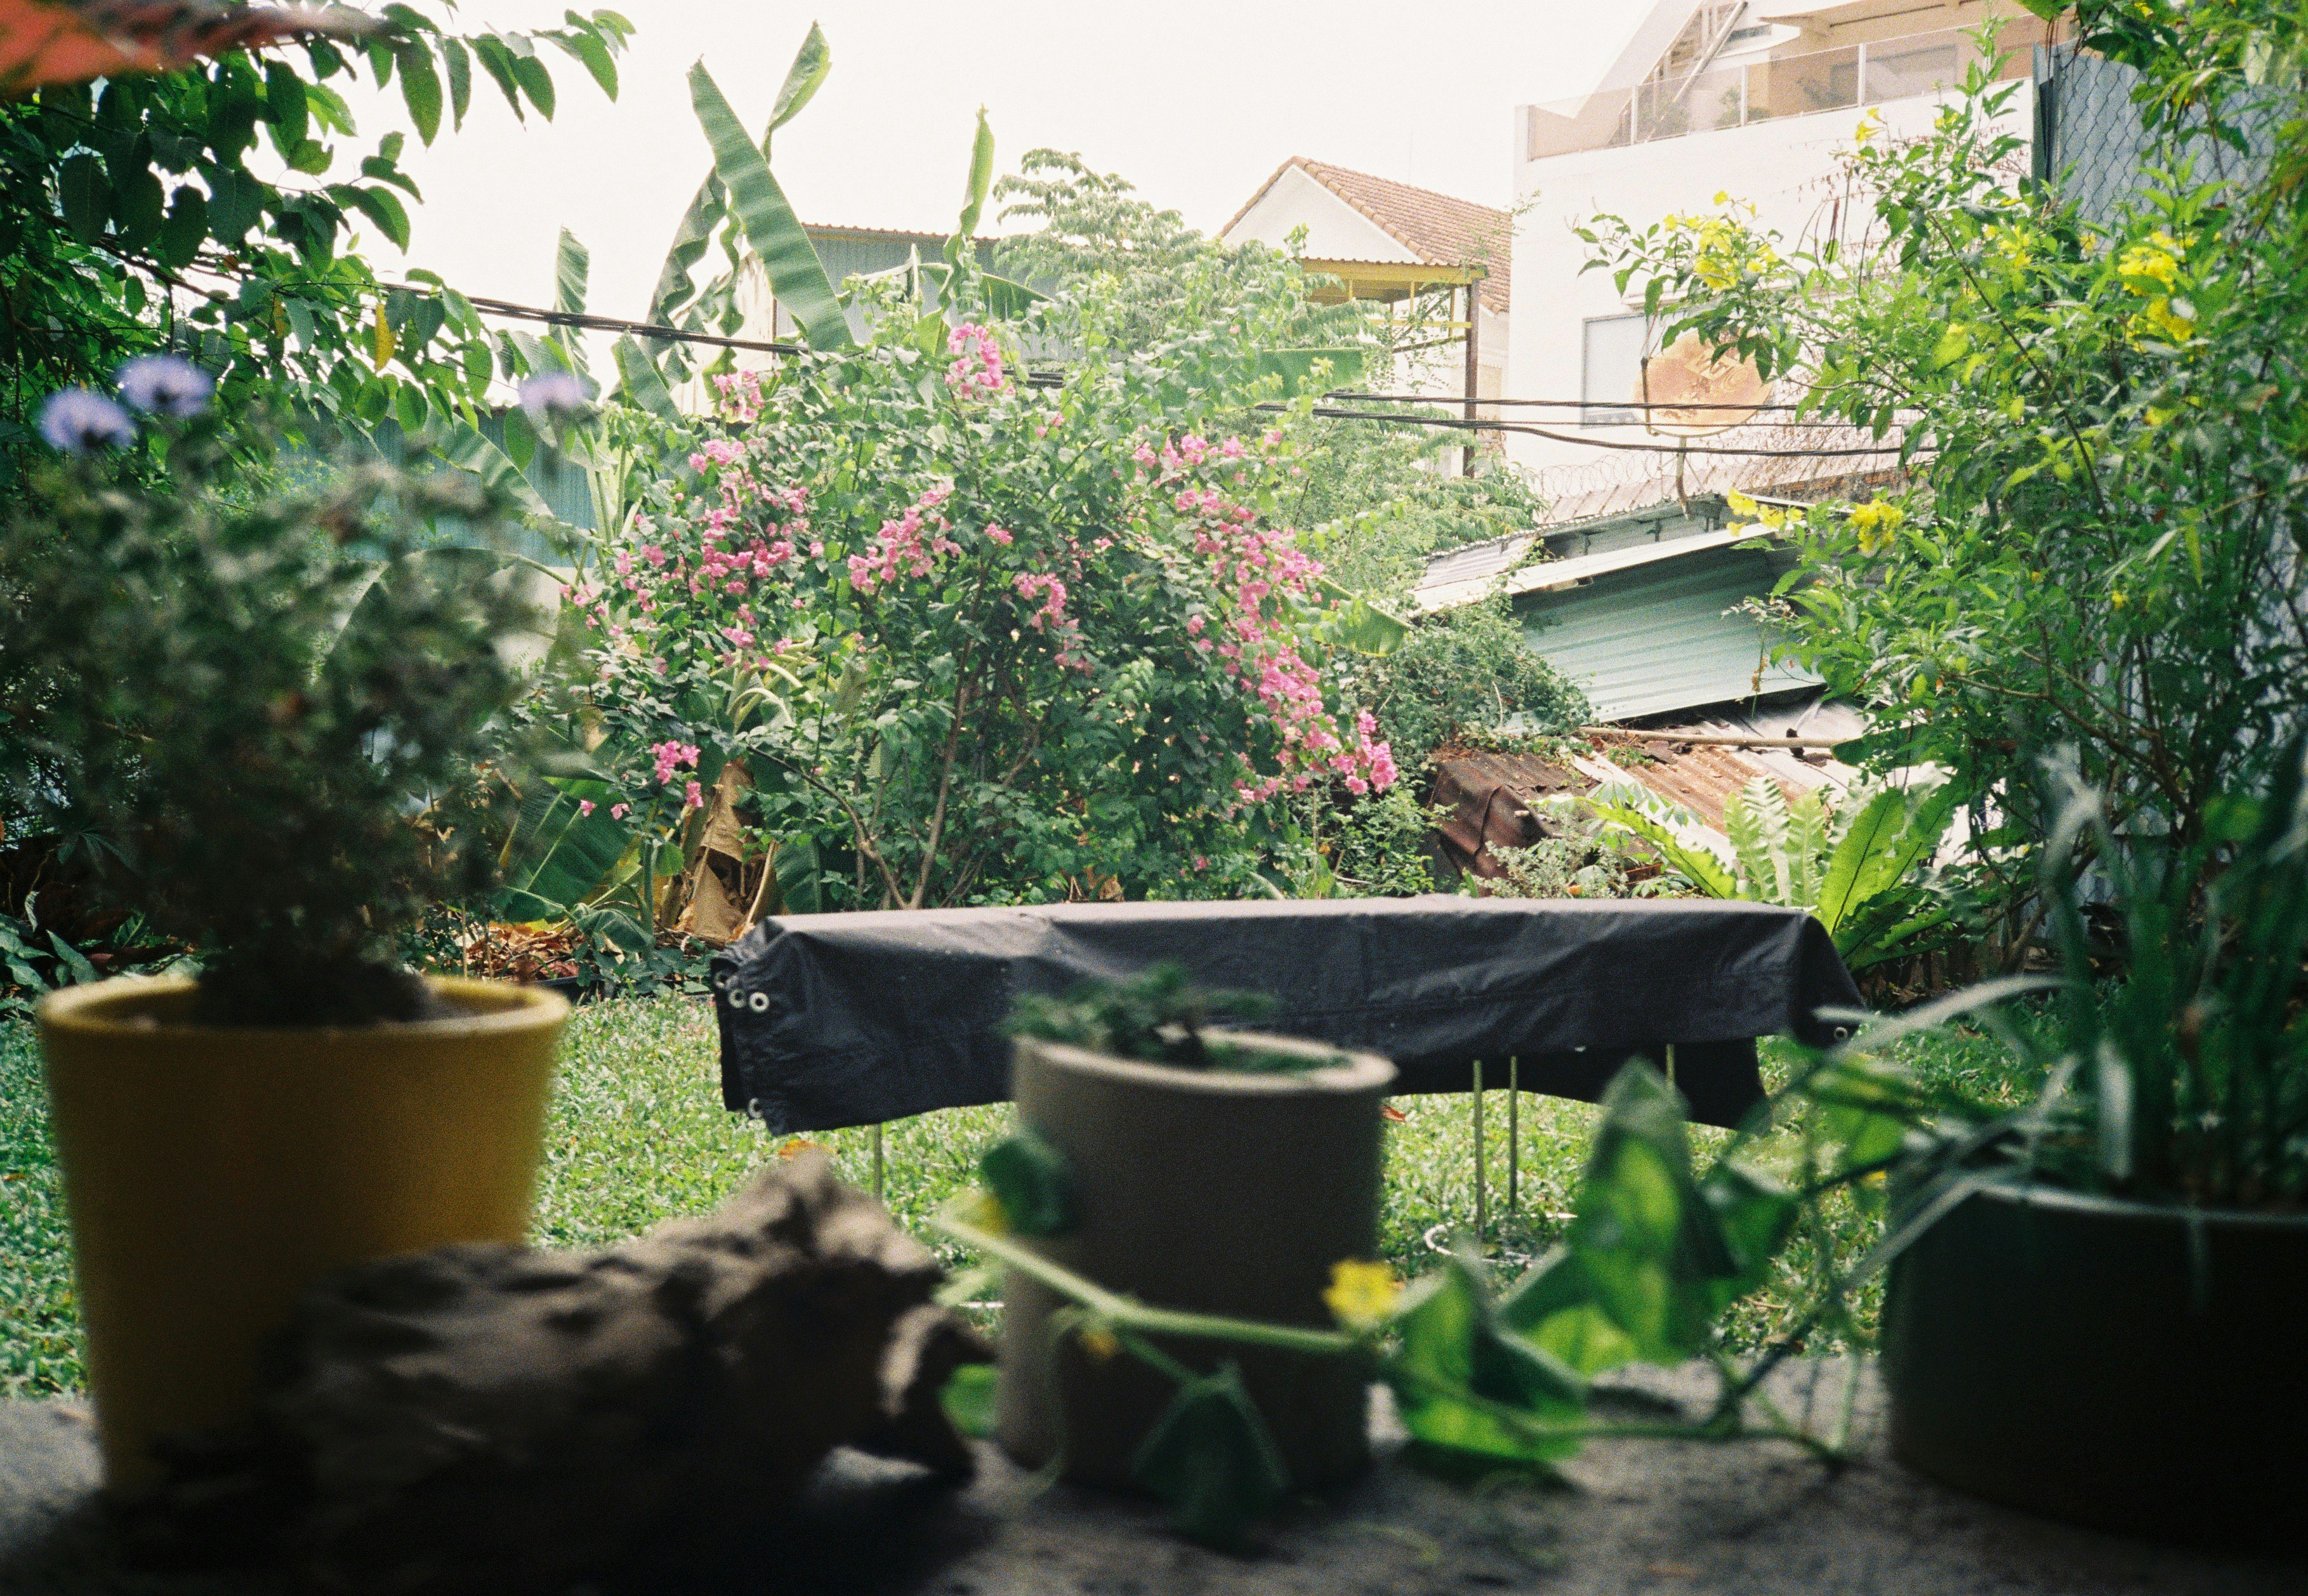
pixel 638 1134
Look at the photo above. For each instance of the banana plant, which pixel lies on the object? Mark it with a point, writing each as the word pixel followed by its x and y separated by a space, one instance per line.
pixel 1853 866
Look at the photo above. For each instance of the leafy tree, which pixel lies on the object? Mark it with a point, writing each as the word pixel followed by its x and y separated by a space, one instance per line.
pixel 138 215
pixel 1374 500
pixel 2106 424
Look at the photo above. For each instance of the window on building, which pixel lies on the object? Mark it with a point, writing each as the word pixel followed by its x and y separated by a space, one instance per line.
pixel 1613 372
pixel 1904 67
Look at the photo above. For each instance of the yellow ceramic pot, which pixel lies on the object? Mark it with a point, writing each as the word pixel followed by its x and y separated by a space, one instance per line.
pixel 212 1173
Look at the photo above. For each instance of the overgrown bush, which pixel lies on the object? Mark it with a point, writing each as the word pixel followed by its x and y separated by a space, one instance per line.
pixel 251 701
pixel 2103 550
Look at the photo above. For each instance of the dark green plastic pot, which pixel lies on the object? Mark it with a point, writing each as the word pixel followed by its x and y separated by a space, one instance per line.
pixel 2128 1365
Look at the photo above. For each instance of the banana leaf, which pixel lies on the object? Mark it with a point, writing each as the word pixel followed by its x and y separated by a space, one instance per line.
pixel 796 276
pixel 559 855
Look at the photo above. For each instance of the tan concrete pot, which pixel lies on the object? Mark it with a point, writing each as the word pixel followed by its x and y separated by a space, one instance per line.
pixel 213 1172
pixel 1207 1190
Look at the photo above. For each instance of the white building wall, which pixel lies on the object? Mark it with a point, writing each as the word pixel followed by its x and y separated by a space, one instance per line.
pixel 1335 230
pixel 1782 166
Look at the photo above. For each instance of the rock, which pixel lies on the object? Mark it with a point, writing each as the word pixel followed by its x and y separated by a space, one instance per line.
pixel 493 1419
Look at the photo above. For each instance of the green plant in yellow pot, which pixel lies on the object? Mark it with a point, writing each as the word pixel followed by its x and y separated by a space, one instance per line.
pixel 248 689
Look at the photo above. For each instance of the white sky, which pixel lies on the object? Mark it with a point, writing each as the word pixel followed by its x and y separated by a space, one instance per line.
pixel 1196 102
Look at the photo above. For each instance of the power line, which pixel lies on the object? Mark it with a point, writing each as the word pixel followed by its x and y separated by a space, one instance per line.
pixel 588 322
pixel 1458 423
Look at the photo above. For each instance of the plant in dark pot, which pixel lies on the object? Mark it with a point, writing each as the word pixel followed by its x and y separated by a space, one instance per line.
pixel 2098 1307
pixel 1222 1174
pixel 248 688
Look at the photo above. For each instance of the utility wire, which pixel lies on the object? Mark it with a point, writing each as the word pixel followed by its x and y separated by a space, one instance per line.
pixel 589 322
pixel 1460 423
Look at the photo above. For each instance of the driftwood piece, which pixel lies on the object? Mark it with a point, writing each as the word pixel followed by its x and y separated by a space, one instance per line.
pixel 492 1419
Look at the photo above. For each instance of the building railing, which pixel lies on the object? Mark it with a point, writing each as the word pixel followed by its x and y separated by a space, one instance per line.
pixel 1760 90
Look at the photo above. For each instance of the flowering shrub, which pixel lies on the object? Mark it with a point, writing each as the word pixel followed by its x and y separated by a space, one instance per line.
pixel 971 639
pixel 2101 551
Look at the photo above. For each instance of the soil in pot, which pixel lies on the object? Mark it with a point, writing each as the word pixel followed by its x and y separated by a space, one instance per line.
pixel 1204 1190
pixel 212 1173
pixel 2133 1366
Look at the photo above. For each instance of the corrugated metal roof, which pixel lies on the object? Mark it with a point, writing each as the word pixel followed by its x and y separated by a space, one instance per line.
pixel 1657 639
pixel 1546 576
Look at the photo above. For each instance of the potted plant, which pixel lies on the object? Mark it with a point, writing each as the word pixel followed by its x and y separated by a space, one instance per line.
pixel 2098 1306
pixel 248 690
pixel 1213 1174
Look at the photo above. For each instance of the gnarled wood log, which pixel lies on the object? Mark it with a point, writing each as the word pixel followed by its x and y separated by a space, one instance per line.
pixel 493 1419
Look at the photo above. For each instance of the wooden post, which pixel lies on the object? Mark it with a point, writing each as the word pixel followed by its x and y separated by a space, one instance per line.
pixel 1514 1133
pixel 1482 1216
pixel 1473 369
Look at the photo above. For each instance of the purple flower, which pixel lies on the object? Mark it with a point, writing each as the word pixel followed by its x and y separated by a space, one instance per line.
pixel 165 385
pixel 75 420
pixel 553 396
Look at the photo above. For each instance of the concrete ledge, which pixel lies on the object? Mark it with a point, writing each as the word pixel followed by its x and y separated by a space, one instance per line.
pixel 1745 1519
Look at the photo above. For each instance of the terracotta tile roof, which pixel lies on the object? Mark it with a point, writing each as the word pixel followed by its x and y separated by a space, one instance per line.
pixel 1439 229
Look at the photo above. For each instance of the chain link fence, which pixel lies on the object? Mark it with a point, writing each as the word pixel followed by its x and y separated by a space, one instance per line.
pixel 2093 144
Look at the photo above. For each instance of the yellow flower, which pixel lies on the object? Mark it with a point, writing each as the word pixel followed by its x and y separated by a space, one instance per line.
pixel 1099 1342
pixel 1869 126
pixel 988 1215
pixel 1722 196
pixel 1875 522
pixel 1362 1295
pixel 2116 598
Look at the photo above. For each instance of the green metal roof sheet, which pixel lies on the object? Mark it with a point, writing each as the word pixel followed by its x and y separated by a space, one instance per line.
pixel 1656 638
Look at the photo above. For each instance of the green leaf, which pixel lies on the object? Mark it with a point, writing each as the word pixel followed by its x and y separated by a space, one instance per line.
pixel 1464 1384
pixel 383 207
pixel 465 447
pixel 83 970
pixel 799 879
pixel 1029 1177
pixel 558 855
pixel 85 196
pixel 235 203
pixel 1008 298
pixel 1755 1214
pixel 967 1399
pixel 1553 1306
pixel 594 54
pixel 408 408
pixel 1648 1241
pixel 1637 813
pixel 804 78
pixel 137 205
pixel 572 266
pixel 797 277
pixel 974 190
pixel 186 228
pixel 1211 1457
pixel 420 86
pixel 1361 624
pixel 1893 834
pixel 675 287
pixel 460 79
pixel 498 61
pixel 284 104
pixel 531 74
pixel 643 385
pixel 1299 369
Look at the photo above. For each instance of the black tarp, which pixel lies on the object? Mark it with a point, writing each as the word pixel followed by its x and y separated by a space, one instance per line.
pixel 832 1020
